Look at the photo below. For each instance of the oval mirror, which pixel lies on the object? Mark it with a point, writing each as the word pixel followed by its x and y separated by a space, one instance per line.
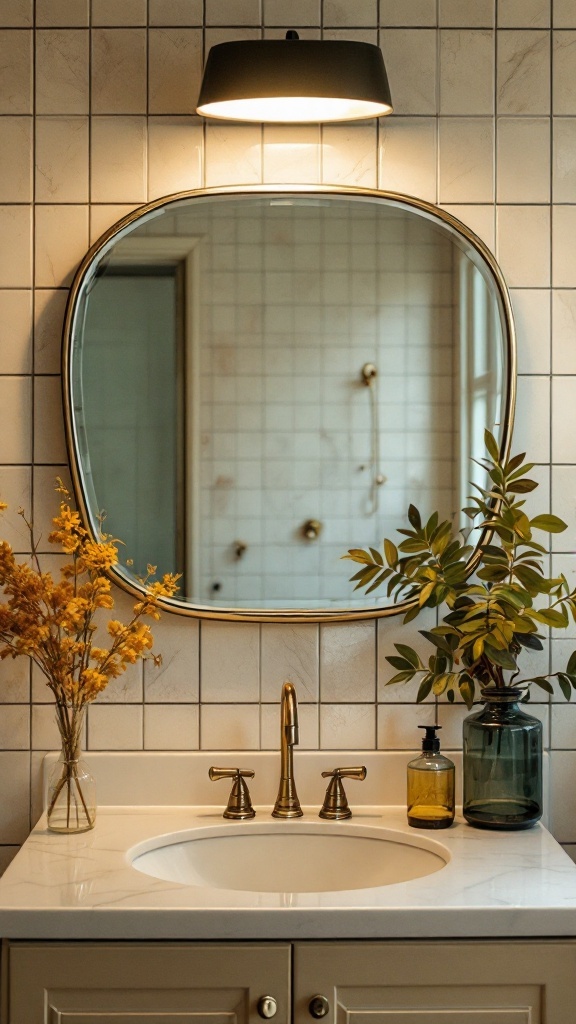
pixel 256 381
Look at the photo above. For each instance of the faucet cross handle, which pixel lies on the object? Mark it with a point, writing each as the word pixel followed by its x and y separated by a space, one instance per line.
pixel 335 806
pixel 239 803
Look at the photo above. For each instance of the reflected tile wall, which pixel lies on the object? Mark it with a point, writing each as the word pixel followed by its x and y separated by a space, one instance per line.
pixel 474 113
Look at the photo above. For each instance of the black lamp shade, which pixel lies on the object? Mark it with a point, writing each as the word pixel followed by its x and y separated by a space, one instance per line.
pixel 294 80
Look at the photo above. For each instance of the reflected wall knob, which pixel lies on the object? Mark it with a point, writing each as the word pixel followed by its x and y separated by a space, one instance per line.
pixel 267 1007
pixel 318 1006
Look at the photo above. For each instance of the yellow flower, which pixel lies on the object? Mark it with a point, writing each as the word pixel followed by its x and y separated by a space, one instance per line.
pixel 3 506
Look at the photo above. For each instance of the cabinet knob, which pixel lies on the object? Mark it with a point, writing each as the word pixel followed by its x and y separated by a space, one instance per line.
pixel 318 1006
pixel 267 1007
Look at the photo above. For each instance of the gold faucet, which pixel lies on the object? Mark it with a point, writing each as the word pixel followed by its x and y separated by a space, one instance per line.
pixel 287 803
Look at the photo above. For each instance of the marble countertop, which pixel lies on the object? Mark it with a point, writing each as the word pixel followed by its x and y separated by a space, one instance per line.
pixel 496 884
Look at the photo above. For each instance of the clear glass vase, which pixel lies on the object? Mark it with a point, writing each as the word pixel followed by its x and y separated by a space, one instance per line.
pixel 71 787
pixel 502 764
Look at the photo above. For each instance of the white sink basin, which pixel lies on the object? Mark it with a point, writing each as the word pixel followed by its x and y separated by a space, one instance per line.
pixel 290 856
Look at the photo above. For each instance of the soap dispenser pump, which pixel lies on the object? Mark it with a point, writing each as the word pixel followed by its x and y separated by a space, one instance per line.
pixel 430 785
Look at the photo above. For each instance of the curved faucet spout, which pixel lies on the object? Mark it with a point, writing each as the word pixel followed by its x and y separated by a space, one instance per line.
pixel 287 803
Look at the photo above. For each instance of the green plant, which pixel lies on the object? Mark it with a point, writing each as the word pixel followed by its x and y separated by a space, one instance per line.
pixel 492 614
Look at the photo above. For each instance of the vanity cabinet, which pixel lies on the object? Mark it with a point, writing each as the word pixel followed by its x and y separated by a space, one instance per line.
pixel 362 982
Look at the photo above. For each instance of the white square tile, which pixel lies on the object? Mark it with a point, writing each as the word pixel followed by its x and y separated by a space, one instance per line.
pixel 214 36
pixel 47 501
pixel 15 803
pixel 563 72
pixel 119 71
pixel 176 679
pixel 49 444
pixel 15 490
pixel 532 420
pixel 466 13
pixel 291 153
pixel 564 330
pixel 61 242
pixel 15 71
pixel 103 217
pixel 230 661
pixel 118 160
pixel 563 726
pixel 15 159
pixel 348 661
pixel 523 13
pixel 110 12
pixel 16 405
pixel 174 12
pixel 419 13
pixel 308 719
pixel 115 727
pixel 17 14
pixel 171 727
pixel 524 245
pixel 523 148
pixel 478 217
pixel 466 160
pixel 466 71
pixel 563 795
pixel 303 32
pixel 392 631
pixel 564 419
pixel 523 74
pixel 564 14
pixel 564 505
pixel 14 727
pixel 49 307
pixel 298 12
pixel 350 154
pixel 563 250
pixel 290 653
pixel 347 726
pixel 451 718
pixel 45 734
pixel 62 63
pixel 175 66
pixel 564 160
pixel 62 159
pixel 126 688
pixel 410 56
pixel 407 156
pixel 175 152
pixel 233 154
pixel 398 725
pixel 16 250
pixel 15 331
pixel 230 727
pixel 532 318
pixel 62 13
pixel 338 13
pixel 241 12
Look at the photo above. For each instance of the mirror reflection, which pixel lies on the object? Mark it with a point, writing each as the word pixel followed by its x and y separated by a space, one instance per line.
pixel 261 381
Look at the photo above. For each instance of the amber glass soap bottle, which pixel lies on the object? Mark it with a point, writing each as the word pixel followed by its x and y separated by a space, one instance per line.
pixel 430 785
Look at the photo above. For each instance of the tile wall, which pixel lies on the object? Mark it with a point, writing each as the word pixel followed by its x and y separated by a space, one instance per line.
pixel 96 117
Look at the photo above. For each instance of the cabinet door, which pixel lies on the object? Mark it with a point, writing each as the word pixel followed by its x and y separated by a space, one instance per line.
pixel 437 982
pixel 131 983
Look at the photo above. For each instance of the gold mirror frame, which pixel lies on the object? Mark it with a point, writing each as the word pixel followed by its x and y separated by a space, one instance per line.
pixel 289 615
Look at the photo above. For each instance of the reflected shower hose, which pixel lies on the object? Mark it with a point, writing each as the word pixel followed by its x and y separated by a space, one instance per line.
pixel 369 374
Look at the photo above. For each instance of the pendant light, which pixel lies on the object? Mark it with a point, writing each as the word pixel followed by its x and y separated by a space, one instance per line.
pixel 294 80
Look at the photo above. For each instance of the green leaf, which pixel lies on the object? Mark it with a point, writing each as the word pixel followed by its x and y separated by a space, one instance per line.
pixel 400 677
pixel 411 614
pixel 543 683
pixel 514 463
pixel 424 689
pixel 391 552
pixel 571 667
pixel 491 446
pixel 408 653
pixel 400 663
pixel 549 616
pixel 377 557
pixel 551 524
pixel 565 686
pixel 502 658
pixel 439 641
pixel 522 486
pixel 466 687
pixel 414 517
